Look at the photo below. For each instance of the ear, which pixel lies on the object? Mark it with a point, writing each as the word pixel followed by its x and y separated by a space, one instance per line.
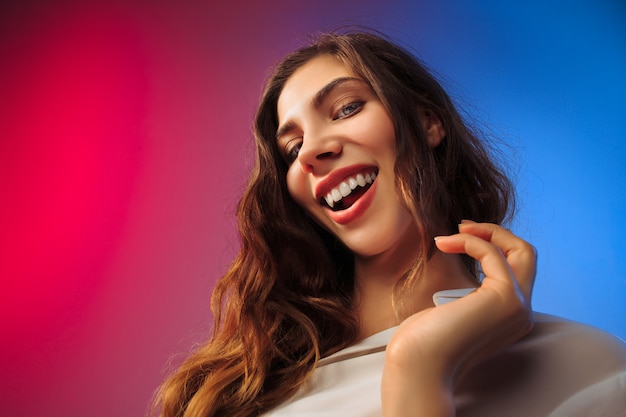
pixel 432 127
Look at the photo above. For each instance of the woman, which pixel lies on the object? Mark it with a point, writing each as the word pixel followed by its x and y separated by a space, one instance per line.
pixel 350 236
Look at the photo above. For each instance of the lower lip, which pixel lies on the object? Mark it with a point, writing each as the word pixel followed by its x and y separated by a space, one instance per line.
pixel 356 210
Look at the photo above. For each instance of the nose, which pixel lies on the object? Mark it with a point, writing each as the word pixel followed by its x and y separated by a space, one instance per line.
pixel 318 150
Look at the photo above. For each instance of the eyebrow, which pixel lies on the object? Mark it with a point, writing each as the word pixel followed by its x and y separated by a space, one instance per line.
pixel 319 98
pixel 326 90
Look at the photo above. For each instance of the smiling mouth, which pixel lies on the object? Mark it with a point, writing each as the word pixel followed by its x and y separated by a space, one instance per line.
pixel 349 191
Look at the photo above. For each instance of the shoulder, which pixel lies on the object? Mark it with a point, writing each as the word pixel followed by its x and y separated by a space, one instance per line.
pixel 548 326
pixel 560 363
pixel 565 341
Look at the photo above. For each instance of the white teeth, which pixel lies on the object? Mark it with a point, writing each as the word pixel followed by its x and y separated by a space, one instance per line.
pixel 346 187
pixel 336 194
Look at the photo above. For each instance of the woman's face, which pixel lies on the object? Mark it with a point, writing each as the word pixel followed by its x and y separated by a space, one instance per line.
pixel 340 143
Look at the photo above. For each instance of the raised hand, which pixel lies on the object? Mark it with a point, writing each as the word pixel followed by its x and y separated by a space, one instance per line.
pixel 433 347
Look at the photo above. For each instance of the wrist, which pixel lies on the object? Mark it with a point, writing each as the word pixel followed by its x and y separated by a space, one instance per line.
pixel 418 387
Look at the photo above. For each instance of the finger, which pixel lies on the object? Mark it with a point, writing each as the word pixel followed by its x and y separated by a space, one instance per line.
pixel 499 278
pixel 520 255
pixel 493 262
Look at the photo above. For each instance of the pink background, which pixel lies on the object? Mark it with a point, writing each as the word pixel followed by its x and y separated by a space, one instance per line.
pixel 125 143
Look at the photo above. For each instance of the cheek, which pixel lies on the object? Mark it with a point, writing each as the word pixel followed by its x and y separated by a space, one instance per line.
pixel 378 132
pixel 298 186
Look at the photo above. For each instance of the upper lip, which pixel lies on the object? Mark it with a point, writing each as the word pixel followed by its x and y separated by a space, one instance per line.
pixel 335 178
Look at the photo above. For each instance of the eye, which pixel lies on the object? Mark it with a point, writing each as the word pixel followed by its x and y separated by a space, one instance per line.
pixel 292 150
pixel 349 110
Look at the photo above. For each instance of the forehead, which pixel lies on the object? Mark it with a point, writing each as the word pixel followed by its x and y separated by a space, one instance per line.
pixel 306 81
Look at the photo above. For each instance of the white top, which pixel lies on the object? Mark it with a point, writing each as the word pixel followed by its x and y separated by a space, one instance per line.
pixel 561 369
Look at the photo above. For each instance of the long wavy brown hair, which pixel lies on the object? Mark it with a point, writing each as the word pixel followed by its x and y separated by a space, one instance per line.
pixel 287 299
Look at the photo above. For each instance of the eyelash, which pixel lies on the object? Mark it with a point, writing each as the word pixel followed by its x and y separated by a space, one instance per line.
pixel 357 105
pixel 291 152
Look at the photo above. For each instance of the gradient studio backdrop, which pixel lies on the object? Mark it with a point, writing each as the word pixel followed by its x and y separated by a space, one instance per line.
pixel 125 143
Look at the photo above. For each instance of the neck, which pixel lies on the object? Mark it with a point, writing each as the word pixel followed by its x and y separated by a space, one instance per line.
pixel 376 278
